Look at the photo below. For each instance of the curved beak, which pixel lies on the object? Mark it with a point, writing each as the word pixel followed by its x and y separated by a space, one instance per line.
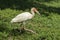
pixel 37 12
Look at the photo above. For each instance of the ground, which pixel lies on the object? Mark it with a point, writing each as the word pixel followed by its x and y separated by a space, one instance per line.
pixel 46 25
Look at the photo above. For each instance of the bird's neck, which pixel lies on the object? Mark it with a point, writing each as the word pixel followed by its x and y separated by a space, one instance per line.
pixel 32 12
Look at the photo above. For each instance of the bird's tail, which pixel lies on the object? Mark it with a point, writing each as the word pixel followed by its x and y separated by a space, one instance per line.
pixel 11 22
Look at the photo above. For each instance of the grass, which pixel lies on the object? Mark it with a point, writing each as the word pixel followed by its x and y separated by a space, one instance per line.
pixel 53 3
pixel 47 27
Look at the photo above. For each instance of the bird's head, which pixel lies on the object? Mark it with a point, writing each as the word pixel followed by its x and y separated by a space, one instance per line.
pixel 35 10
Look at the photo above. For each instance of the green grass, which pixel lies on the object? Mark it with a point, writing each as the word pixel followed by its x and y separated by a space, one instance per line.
pixel 52 3
pixel 47 27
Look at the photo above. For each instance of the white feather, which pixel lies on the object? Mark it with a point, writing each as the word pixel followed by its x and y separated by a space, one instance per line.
pixel 22 17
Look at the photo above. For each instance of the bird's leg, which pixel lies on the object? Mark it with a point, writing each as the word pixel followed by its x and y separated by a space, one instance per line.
pixel 25 29
pixel 23 25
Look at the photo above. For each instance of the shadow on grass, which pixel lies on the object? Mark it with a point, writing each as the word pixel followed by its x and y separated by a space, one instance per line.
pixel 2 29
pixel 23 5
pixel 15 32
pixel 43 8
pixel 50 9
pixel 16 4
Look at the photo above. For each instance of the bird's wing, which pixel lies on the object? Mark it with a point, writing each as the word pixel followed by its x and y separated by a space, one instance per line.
pixel 22 17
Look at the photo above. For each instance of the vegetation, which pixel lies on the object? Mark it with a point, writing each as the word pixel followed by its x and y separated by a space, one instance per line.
pixel 47 25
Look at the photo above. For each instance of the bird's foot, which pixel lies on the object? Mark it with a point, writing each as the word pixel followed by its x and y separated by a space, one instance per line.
pixel 22 29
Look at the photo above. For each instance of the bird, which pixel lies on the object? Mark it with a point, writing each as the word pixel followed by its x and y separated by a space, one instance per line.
pixel 23 17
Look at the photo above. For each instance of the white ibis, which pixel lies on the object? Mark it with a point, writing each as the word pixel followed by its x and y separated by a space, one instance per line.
pixel 25 16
